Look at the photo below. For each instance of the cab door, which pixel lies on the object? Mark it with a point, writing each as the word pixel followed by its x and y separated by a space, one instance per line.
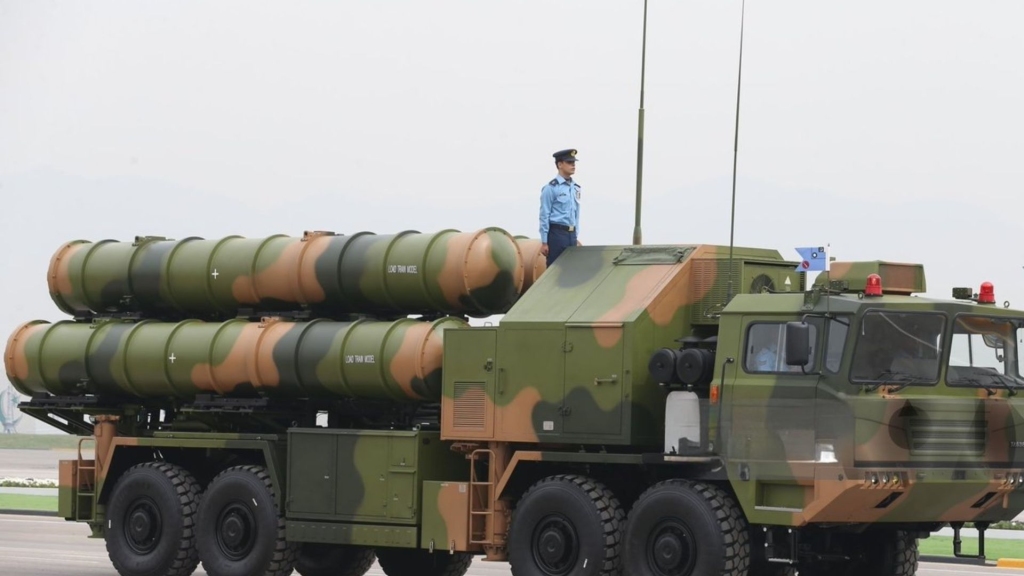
pixel 770 409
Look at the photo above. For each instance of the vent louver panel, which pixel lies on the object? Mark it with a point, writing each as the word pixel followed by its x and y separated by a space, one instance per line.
pixel 469 406
pixel 947 437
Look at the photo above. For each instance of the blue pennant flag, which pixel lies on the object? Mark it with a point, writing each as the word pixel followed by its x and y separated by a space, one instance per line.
pixel 812 258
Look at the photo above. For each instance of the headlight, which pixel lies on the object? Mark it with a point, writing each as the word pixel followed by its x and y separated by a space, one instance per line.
pixel 825 453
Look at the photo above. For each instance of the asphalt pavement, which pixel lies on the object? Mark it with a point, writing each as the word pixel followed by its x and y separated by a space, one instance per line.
pixel 46 546
pixel 38 464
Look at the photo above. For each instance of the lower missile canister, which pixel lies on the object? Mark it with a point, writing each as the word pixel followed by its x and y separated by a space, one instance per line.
pixel 450 272
pixel 398 361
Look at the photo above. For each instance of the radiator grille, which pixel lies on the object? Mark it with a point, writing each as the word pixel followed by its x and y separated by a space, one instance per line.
pixel 947 437
pixel 469 406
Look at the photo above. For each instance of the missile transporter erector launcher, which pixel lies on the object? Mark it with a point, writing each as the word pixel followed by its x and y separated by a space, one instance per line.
pixel 642 410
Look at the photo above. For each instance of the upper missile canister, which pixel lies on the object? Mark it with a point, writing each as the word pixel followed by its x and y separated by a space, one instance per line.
pixel 473 273
pixel 534 262
pixel 399 361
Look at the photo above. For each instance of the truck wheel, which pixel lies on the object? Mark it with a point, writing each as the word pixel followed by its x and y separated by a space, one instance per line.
pixel 333 560
pixel 241 528
pixel 151 521
pixel 418 562
pixel 891 553
pixel 682 528
pixel 564 525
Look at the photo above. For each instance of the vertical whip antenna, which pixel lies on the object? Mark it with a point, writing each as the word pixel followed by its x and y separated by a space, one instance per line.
pixel 735 152
pixel 637 233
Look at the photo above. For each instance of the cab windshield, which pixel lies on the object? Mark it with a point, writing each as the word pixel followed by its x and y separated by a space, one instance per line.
pixel 984 353
pixel 898 347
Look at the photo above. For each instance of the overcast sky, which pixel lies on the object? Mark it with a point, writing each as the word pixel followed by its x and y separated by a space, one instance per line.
pixel 891 130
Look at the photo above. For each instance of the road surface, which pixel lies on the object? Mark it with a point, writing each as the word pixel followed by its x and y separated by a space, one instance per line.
pixel 46 546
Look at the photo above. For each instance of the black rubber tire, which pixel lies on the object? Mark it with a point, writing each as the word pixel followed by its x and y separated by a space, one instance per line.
pixel 333 560
pixel 419 562
pixel 244 495
pixel 700 521
pixel 892 553
pixel 167 496
pixel 577 506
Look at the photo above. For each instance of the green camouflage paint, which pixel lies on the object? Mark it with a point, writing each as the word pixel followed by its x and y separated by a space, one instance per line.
pixel 399 360
pixel 476 273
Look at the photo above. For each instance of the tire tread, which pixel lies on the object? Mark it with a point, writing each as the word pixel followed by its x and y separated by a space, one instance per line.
pixel 728 515
pixel 283 561
pixel 187 489
pixel 613 517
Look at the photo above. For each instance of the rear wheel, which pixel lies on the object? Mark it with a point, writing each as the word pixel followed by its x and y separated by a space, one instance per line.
pixel 241 528
pixel 151 530
pixel 894 554
pixel 417 562
pixel 333 560
pixel 565 525
pixel 681 528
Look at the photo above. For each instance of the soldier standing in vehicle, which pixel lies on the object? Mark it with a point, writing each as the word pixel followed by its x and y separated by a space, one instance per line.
pixel 560 208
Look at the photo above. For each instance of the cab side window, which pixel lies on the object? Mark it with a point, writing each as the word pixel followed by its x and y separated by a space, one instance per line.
pixel 837 331
pixel 765 349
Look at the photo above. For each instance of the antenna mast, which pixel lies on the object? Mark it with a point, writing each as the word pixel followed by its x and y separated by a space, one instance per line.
pixel 637 233
pixel 735 152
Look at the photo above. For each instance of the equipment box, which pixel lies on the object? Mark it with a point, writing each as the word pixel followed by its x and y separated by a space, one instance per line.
pixel 365 475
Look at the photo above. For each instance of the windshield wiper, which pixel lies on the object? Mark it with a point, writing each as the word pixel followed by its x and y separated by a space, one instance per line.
pixel 895 380
pixel 1007 383
pixel 976 382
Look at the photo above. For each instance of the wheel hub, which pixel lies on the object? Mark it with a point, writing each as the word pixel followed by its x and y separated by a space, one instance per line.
pixel 236 534
pixel 671 550
pixel 555 545
pixel 142 526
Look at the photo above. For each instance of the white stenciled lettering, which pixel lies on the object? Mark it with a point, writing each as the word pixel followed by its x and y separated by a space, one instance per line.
pixel 403 269
pixel 349 359
pixel 369 359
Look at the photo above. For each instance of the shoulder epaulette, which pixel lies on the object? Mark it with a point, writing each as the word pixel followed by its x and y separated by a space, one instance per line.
pixel 554 182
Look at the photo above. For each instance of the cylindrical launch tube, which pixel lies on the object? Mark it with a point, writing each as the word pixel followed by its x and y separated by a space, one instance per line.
pixel 474 273
pixel 534 262
pixel 398 360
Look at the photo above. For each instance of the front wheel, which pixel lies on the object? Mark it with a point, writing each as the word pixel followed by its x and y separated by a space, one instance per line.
pixel 682 528
pixel 151 517
pixel 241 528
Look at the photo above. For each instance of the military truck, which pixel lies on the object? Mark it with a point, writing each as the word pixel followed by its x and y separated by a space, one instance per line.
pixel 316 403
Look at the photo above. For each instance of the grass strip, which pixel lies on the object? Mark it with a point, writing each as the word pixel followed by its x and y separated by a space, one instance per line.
pixel 39 441
pixel 994 549
pixel 22 502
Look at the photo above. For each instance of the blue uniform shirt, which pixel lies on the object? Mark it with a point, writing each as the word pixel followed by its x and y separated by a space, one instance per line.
pixel 559 203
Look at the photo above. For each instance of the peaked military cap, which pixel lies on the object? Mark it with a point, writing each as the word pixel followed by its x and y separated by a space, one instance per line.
pixel 568 155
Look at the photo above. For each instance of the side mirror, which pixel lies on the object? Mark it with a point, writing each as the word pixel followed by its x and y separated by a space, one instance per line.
pixel 798 344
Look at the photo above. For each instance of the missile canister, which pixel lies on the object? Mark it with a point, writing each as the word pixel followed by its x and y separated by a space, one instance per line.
pixel 398 361
pixel 534 262
pixel 474 273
